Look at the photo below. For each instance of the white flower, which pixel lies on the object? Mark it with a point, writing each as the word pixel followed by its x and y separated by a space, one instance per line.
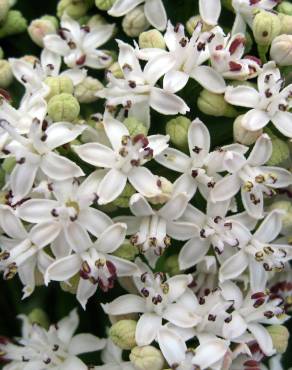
pixel 66 220
pixel 154 11
pixel 96 266
pixel 186 57
pixel 210 11
pixel 55 348
pixel 259 254
pixel 268 103
pixel 18 253
pixel 200 169
pixel 152 229
pixel 78 45
pixel 36 153
pixel 124 161
pixel 136 92
pixel 254 179
pixel 206 276
pixel 226 55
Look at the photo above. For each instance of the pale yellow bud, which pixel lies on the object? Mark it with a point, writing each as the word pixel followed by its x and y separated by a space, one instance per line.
pixel 135 22
pixel 242 135
pixel 4 8
pixel 193 22
pixel 280 336
pixel 147 358
pixel 85 92
pixel 63 107
pixel 116 70
pixel 151 39
pixel 215 105
pixel 6 75
pixel 59 85
pixel 39 28
pixel 266 26
pixel 177 129
pixel 122 333
pixel 281 50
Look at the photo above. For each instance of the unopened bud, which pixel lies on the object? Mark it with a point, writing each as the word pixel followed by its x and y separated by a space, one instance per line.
pixel 266 26
pixel 193 22
pixel 127 251
pixel 72 285
pixel 116 70
pixel 8 164
pixel 166 188
pixel 147 357
pixel 286 23
pixel 104 4
pixel 4 8
pixel 171 265
pixel 74 8
pixel 135 22
pixel 280 152
pixel 242 135
pixel 177 129
pixel 96 21
pixel 280 336
pixel 122 333
pixel 59 85
pixel 281 50
pixel 85 92
pixel 6 75
pixel 135 127
pixel 151 39
pixel 14 23
pixel 38 316
pixel 123 200
pixel 285 7
pixel 39 28
pixel 215 105
pixel 286 206
pixel 63 107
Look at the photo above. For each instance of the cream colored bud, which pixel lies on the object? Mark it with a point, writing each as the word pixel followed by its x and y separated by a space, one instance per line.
pixel 193 22
pixel 280 337
pixel 6 75
pixel 13 24
pixel 135 127
pixel 59 85
pixel 286 206
pixel 122 333
pixel 286 23
pixel 215 105
pixel 242 135
pixel 85 92
pixel 177 129
pixel 266 26
pixel 4 8
pixel 104 4
pixel 285 7
pixel 39 28
pixel 63 107
pixel 96 21
pixel 135 22
pixel 74 8
pixel 127 251
pixel 151 39
pixel 146 358
pixel 38 316
pixel 281 50
pixel 116 70
pixel 166 188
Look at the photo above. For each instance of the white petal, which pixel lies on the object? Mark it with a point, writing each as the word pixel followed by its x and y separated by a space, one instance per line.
pixel 258 276
pixel 60 247
pixel 128 303
pixel 175 207
pixel 167 103
pixel 98 36
pixel 56 44
pixel 235 328
pixel 243 96
pixel 37 210
pixel 127 55
pixel 172 346
pixel 155 14
pixel 157 67
pixel 261 152
pixel 233 266
pixel 230 182
pixel 115 130
pixel 94 220
pixel 147 328
pixel 22 179
pixel 255 119
pixel 209 353
pixel 263 338
pixel 144 181
pixel 177 286
pixel 139 206
pixel 174 81
pixel 84 343
pixel 44 233
pixel 158 143
pixel 174 159
pixel 209 79
pixel 210 11
pixel 61 133
pixel 124 267
pixel 73 363
pixel 60 168
pixel 52 60
pixel 192 252
pixel 122 7
pixel 111 186
pixel 96 154
pixel 198 136
pixel 283 122
pixel 67 326
pixel 77 237
pixel 283 177
pixel 111 238
pixel 270 228
pixel 254 210
pixel 63 269
pixel 85 290
pixel 180 316
pixel 11 224
pixel 180 230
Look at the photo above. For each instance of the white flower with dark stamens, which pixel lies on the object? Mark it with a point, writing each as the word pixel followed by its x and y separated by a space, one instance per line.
pixel 137 92
pixel 18 254
pixel 154 11
pixel 268 103
pixel 36 153
pixel 157 302
pixel 201 168
pixel 205 278
pixel 124 161
pixel 210 11
pixel 187 57
pixel 66 220
pixel 152 229
pixel 214 228
pixel 56 348
pixel 246 356
pixel 78 44
pixel 250 313
pixel 259 254
pixel 94 263
pixel 245 10
pixel 253 178
pixel 226 54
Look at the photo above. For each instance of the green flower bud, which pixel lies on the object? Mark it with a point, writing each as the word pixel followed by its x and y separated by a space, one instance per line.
pixel 39 28
pixel 59 85
pixel 6 75
pixel 193 22
pixel 14 23
pixel 135 22
pixel 104 4
pixel 122 333
pixel 281 50
pixel 280 336
pixel 8 164
pixel 116 70
pixel 135 127
pixel 4 9
pixel 266 26
pixel 38 316
pixel 171 265
pixel 63 107
pixel 72 286
pixel 2 178
pixel 127 251
pixel 286 206
pixel 123 200
pixel 151 39
pixel 51 19
pixel 74 8
pixel 177 129
pixel 280 152
pixel 166 188
pixel 242 135
pixel 1 53
pixel 96 20
pixel 215 105
pixel 228 5
pixel 285 7
pixel 147 357
pixel 85 92
pixel 286 23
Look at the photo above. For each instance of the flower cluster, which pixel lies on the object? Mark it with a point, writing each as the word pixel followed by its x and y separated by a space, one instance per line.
pixel 193 225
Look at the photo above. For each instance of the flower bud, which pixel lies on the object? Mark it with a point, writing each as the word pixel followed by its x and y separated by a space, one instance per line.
pixel 147 357
pixel 193 22
pixel 280 151
pixel 228 5
pixel 39 28
pixel 1 53
pixel 280 336
pixel 135 127
pixel 104 4
pixel 122 333
pixel 85 92
pixel 171 265
pixel 14 23
pixel 286 23
pixel 127 251
pixel 286 206
pixel 116 70
pixel 242 135
pixel 151 39
pixel 4 8
pixel 215 105
pixel 177 129
pixel 63 107
pixel 74 8
pixel 285 7
pixel 166 188
pixel 8 164
pixel 281 50
pixel 96 21
pixel 266 26
pixel 6 75
pixel 59 85
pixel 72 286
pixel 38 316
pixel 2 178
pixel 135 22
pixel 123 200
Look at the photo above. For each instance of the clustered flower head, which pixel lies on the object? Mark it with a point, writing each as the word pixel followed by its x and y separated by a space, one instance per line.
pixel 150 178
